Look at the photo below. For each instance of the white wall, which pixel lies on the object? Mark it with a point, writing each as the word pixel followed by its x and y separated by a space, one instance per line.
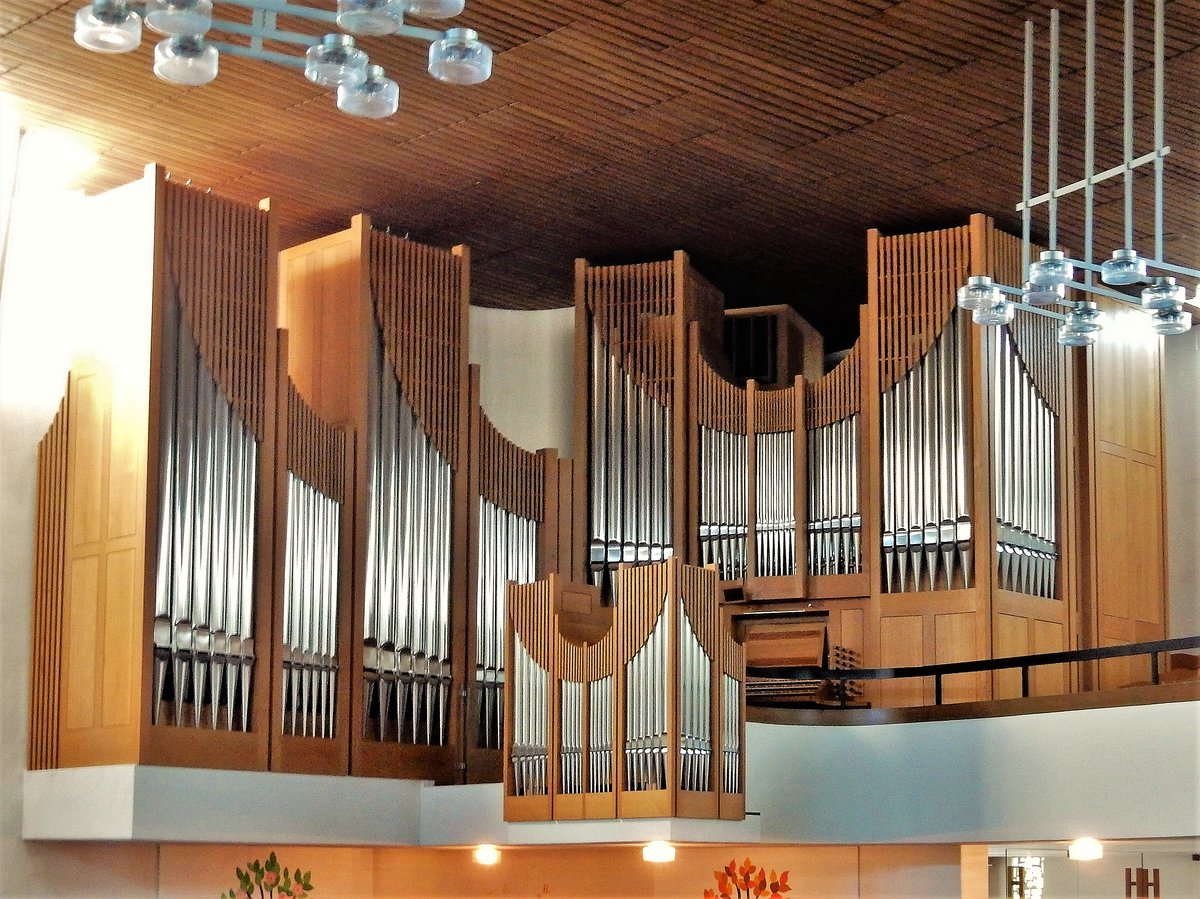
pixel 1181 426
pixel 526 373
pixel 1109 773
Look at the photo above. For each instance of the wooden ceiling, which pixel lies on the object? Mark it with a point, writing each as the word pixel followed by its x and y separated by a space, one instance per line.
pixel 763 138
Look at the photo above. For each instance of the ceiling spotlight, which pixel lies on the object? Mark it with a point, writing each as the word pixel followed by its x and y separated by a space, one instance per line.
pixel 108 26
pixel 487 854
pixel 1085 849
pixel 370 16
pixel 1163 293
pixel 182 17
pixel 460 57
pixel 1125 268
pixel 658 851
pixel 186 60
pixel 1169 322
pixel 436 9
pixel 1036 295
pixel 979 292
pixel 376 97
pixel 335 61
pixel 1081 326
pixel 1051 270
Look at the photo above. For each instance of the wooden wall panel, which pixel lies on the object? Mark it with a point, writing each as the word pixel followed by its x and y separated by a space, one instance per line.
pixel 1128 565
pixel 1011 639
pixel 901 643
pixel 954 641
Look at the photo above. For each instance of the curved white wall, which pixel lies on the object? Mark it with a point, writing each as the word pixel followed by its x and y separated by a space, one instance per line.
pixel 526 374
pixel 1110 773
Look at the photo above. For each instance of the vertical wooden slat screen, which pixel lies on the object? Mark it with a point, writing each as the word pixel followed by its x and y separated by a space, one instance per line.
pixel 46 625
pixel 775 410
pixel 510 477
pixel 838 395
pixel 418 293
pixel 218 262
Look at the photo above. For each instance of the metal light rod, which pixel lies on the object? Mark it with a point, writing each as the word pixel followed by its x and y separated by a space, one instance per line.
pixel 1124 168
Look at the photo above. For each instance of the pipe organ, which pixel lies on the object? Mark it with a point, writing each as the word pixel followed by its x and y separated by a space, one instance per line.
pixel 308 548
pixel 927 513
pixel 510 518
pixel 834 471
pixel 645 722
pixel 775 480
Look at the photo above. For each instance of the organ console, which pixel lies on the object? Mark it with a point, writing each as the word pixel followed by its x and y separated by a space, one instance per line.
pixel 310 549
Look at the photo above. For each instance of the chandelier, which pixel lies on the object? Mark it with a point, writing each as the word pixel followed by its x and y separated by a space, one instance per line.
pixel 189 55
pixel 1047 280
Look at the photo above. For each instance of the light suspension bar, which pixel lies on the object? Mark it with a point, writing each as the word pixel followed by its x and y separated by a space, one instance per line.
pixel 1047 280
pixel 189 56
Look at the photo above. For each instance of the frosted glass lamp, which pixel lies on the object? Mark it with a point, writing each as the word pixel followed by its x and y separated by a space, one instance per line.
pixel 979 292
pixel 370 16
pixel 186 60
pixel 182 17
pixel 1000 312
pixel 376 97
pixel 1125 268
pixel 1163 294
pixel 1035 295
pixel 460 57
pixel 1051 269
pixel 335 61
pixel 436 9
pixel 1169 322
pixel 108 26
pixel 1081 326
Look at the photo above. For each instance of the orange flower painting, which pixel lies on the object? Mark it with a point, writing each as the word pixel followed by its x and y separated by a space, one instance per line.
pixel 747 881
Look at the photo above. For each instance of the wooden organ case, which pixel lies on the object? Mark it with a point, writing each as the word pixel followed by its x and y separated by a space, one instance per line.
pixel 310 550
pixel 152 634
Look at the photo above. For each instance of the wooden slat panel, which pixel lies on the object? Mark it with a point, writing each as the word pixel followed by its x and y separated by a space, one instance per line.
pixel 418 294
pixel 48 593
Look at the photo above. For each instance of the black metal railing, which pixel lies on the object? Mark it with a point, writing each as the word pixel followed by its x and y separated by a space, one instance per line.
pixel 1152 648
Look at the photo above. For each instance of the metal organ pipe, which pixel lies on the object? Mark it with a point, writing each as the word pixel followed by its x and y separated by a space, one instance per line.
pixel 775 507
pixel 507 552
pixel 834 519
pixel 1024 462
pixel 203 626
pixel 310 611
pixel 925 514
pixel 406 622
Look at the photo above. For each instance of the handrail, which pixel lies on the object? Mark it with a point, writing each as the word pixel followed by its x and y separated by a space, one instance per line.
pixel 1025 662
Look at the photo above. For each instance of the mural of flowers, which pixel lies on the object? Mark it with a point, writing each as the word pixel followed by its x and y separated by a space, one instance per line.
pixel 261 881
pixel 747 881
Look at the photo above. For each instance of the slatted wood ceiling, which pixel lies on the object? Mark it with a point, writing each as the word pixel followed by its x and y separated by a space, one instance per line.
pixel 763 138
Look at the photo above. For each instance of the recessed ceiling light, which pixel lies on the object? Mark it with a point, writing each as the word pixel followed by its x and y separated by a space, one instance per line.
pixel 487 854
pixel 1085 849
pixel 658 851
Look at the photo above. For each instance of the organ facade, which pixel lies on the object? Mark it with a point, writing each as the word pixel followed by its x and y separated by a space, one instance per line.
pixel 283 534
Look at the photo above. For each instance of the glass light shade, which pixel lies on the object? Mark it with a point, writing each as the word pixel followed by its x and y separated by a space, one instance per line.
pixel 436 9
pixel 979 292
pixel 1169 322
pixel 335 61
pixel 487 854
pixel 1000 312
pixel 460 57
pixel 182 17
pixel 377 97
pixel 1043 296
pixel 658 851
pixel 1125 267
pixel 370 16
pixel 108 26
pixel 1051 269
pixel 1085 849
pixel 1163 293
pixel 1081 326
pixel 186 59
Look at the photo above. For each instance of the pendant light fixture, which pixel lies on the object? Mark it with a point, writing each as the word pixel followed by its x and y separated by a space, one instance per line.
pixel 1049 279
pixel 190 54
